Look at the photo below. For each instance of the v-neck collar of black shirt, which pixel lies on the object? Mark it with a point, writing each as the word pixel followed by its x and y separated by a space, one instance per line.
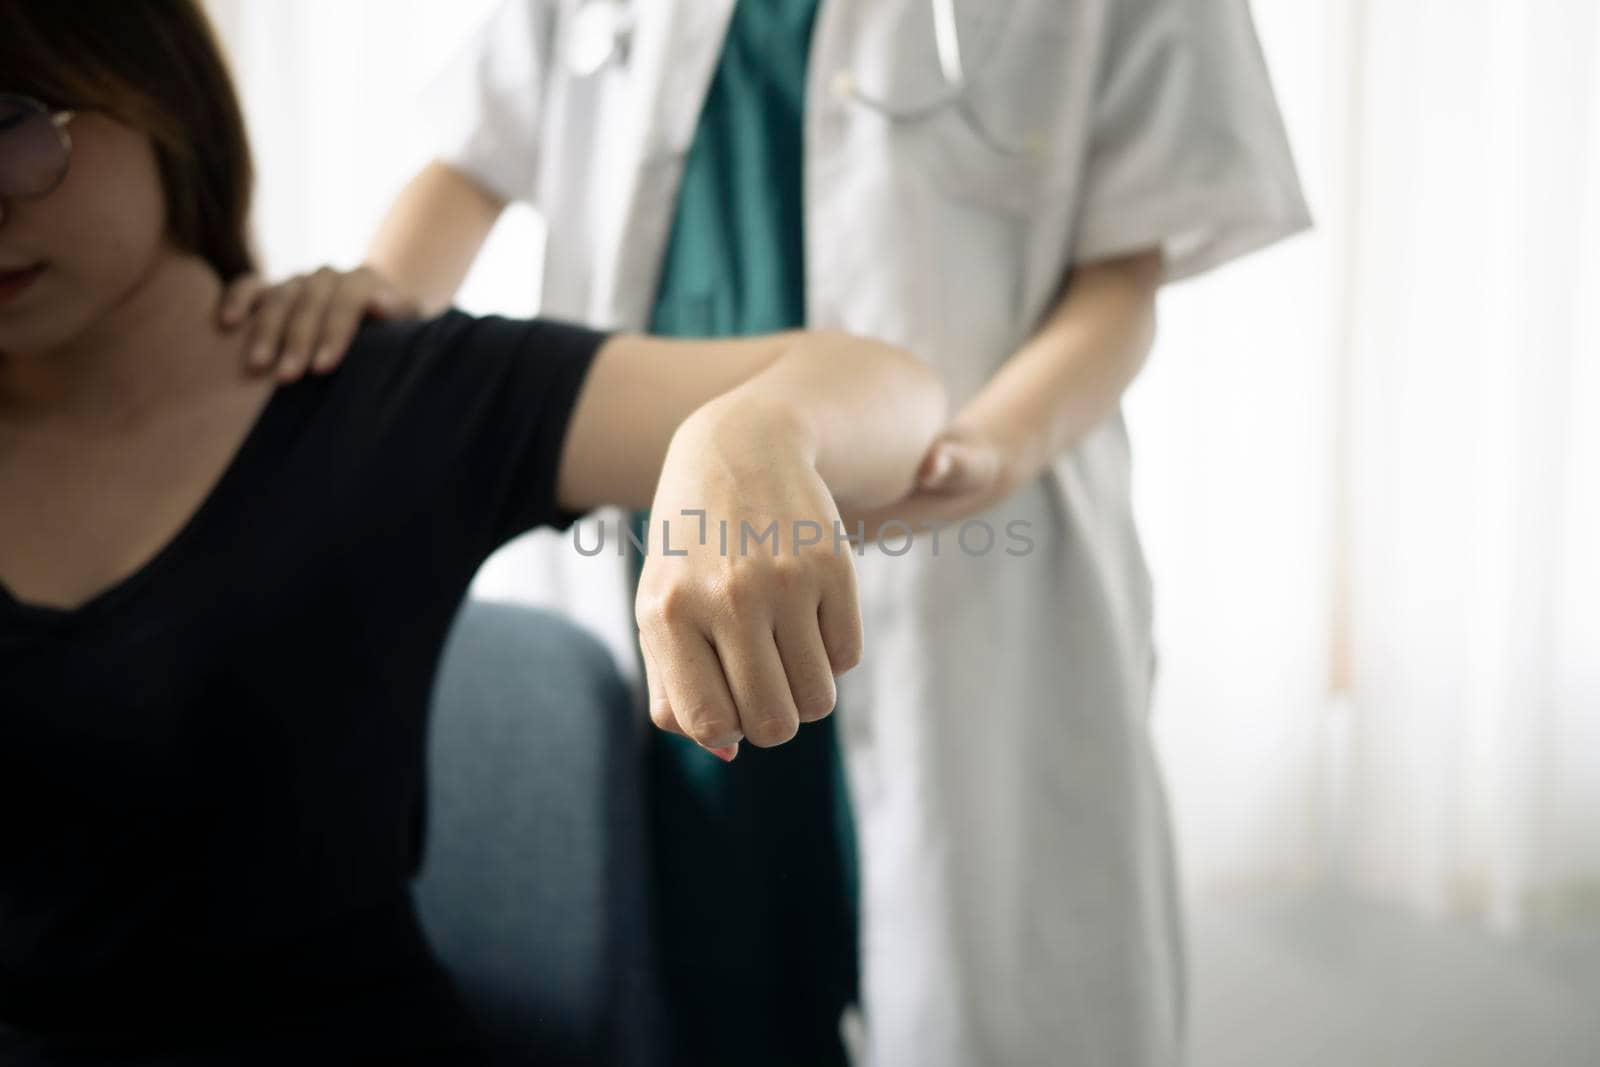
pixel 263 435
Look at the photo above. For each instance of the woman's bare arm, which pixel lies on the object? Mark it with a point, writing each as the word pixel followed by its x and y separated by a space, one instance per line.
pixel 864 412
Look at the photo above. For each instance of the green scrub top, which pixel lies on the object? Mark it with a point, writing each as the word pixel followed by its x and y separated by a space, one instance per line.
pixel 754 861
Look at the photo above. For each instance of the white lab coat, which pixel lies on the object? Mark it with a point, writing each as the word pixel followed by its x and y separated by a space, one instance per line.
pixel 1020 904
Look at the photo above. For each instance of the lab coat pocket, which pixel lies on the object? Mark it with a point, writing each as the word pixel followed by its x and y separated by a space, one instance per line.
pixel 1008 140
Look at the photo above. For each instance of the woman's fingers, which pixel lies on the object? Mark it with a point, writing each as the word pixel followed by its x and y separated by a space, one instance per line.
pixel 746 639
pixel 839 617
pixel 660 707
pixel 688 669
pixel 759 685
pixel 937 466
pixel 806 664
pixel 338 333
pixel 360 293
pixel 955 466
pixel 272 309
pixel 747 681
pixel 304 325
pixel 309 322
pixel 661 714
pixel 339 328
pixel 238 299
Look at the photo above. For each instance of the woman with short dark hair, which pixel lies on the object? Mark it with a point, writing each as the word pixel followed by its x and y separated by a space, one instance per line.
pixel 222 601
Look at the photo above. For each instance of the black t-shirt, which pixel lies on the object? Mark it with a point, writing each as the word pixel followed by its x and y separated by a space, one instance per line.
pixel 211 774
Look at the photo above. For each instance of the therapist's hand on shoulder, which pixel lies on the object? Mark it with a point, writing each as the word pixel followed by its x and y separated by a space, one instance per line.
pixel 745 615
pixel 307 322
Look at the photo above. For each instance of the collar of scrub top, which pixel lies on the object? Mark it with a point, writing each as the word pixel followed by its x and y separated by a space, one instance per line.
pixel 601 31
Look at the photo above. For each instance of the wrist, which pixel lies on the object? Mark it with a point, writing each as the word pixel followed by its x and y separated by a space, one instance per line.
pixel 745 427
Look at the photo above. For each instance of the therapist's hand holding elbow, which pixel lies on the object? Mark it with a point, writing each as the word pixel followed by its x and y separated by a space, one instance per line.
pixel 1064 380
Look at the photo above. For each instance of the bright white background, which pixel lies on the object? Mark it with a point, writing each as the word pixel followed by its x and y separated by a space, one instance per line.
pixel 336 93
pixel 1370 480
pixel 1367 464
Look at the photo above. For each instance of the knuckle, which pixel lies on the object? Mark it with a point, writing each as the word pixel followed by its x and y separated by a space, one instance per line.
pixel 747 591
pixel 815 701
pixel 661 716
pixel 269 308
pixel 659 606
pixel 835 570
pixel 674 605
pixel 845 653
pixel 792 574
pixel 741 600
pixel 269 322
pixel 710 725
pixel 771 732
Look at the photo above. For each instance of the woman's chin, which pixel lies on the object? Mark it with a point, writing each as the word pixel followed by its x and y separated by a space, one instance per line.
pixel 36 325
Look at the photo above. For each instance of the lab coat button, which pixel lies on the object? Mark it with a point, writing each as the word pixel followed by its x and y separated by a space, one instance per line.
pixel 842 85
pixel 599 33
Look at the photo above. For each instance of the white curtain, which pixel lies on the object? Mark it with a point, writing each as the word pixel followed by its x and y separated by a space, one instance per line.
pixel 1370 477
pixel 336 93
pixel 1366 461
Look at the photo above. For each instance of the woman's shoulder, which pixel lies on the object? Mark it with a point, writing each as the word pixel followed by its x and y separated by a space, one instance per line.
pixel 389 354
pixel 380 337
pixel 452 332
pixel 456 358
pixel 456 341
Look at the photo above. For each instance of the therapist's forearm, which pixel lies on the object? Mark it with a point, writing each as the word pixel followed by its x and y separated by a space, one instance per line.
pixel 434 230
pixel 1071 374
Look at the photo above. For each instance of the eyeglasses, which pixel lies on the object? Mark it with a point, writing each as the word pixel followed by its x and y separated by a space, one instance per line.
pixel 35 147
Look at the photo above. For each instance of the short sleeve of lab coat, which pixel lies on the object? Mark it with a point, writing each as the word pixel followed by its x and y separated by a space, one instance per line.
pixel 1188 150
pixel 485 108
